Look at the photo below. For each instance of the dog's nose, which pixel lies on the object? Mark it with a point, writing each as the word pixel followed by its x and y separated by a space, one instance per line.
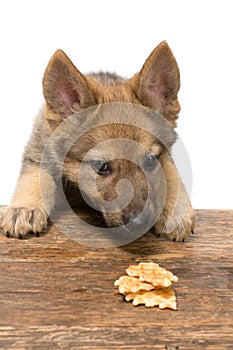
pixel 133 219
pixel 128 218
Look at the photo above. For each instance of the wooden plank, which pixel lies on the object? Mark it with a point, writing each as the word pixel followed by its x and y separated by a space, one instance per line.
pixel 58 294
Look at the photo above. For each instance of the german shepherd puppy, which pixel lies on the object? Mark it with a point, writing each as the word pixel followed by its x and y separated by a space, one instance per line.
pixel 68 93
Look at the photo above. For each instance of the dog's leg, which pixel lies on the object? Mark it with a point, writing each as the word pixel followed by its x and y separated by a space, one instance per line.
pixel 178 218
pixel 27 212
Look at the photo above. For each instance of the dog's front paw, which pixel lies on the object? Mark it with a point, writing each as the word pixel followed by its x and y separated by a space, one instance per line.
pixel 17 222
pixel 174 229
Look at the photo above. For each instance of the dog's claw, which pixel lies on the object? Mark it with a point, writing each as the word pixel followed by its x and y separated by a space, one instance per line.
pixel 8 234
pixel 20 236
pixel 174 240
pixel 37 233
pixel 183 239
pixel 192 231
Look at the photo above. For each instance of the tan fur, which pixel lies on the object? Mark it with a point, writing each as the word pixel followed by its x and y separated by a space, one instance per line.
pixel 177 204
pixel 121 91
pixel 27 212
pixel 67 91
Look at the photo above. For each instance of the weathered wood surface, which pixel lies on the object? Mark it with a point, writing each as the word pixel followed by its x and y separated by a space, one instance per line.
pixel 58 294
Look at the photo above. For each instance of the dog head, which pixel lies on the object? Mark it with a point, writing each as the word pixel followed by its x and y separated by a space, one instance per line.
pixel 123 138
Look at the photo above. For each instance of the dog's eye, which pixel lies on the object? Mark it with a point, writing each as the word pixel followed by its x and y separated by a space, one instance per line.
pixel 101 167
pixel 150 162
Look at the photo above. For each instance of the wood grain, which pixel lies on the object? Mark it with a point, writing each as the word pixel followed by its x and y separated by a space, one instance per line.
pixel 58 294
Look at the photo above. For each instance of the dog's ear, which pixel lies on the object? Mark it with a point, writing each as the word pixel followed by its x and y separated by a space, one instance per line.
pixel 65 89
pixel 158 82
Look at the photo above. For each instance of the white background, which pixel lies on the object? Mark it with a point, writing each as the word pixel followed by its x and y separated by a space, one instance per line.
pixel 118 36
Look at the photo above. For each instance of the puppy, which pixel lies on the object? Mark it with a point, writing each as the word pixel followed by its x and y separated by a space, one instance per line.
pixel 83 126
